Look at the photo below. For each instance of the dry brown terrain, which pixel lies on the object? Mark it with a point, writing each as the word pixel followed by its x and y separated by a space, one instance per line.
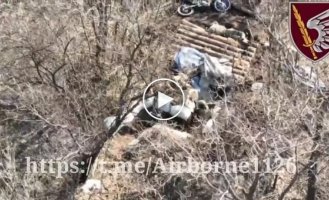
pixel 67 65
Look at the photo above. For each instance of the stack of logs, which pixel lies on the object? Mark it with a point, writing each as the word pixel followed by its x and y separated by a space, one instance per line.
pixel 239 54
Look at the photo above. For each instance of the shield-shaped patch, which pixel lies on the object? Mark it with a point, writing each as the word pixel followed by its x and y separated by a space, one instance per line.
pixel 309 28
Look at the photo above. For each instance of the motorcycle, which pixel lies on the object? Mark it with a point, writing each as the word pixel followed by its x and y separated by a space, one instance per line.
pixel 187 8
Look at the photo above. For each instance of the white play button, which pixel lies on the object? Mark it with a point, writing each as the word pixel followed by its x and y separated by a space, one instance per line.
pixel 163 100
pixel 160 103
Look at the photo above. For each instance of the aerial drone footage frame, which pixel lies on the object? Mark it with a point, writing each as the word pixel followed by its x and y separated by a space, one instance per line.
pixel 239 109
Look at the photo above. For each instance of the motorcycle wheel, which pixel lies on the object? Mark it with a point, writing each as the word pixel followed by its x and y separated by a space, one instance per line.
pixel 222 5
pixel 185 10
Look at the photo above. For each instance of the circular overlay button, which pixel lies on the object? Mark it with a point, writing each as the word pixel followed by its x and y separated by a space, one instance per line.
pixel 163 99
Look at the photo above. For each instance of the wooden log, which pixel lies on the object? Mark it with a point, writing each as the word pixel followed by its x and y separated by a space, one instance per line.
pixel 190 25
pixel 239 72
pixel 237 62
pixel 213 36
pixel 206 45
pixel 240 67
pixel 213 53
pixel 206 33
pixel 187 23
pixel 212 47
pixel 210 52
pixel 217 43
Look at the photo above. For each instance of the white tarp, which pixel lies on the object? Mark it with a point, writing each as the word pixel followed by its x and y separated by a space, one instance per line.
pixel 212 69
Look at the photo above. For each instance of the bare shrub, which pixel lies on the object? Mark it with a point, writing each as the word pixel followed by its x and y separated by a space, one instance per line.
pixel 64 67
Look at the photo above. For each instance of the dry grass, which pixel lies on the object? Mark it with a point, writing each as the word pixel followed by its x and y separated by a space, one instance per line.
pixel 286 120
pixel 65 66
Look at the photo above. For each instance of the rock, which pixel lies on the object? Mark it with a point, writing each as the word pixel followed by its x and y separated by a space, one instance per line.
pixel 256 87
pixel 266 44
pixel 92 185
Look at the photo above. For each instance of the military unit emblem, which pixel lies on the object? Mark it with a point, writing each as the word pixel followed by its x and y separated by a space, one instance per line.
pixel 309 28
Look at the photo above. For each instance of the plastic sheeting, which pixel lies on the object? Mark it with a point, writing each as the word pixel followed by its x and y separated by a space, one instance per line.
pixel 211 70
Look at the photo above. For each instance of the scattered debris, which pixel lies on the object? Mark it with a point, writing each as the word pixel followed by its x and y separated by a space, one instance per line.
pixel 150 103
pixel 210 58
pixel 239 54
